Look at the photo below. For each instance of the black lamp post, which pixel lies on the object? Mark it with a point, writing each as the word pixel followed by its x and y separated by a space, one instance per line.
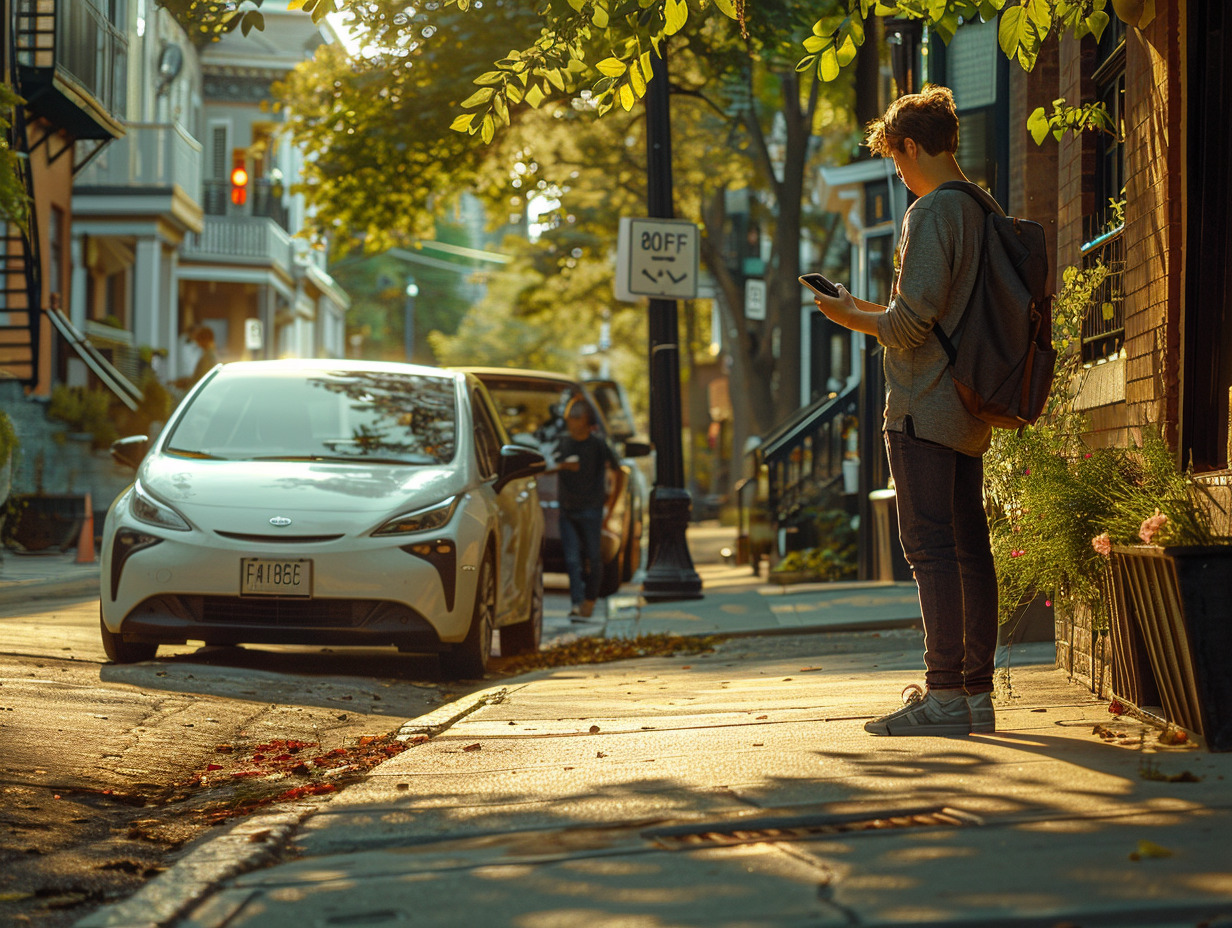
pixel 670 573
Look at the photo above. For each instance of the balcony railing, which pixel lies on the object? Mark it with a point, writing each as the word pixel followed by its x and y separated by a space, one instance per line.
pixel 149 155
pixel 241 240
pixel 264 199
pixel 77 41
pixel 1103 330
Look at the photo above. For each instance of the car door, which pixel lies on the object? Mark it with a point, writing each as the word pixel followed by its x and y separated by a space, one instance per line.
pixel 516 511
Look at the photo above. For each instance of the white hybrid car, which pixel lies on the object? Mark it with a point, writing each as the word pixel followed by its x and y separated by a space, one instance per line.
pixel 327 503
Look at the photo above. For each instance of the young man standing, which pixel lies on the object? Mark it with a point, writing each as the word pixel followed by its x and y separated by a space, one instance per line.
pixel 582 491
pixel 935 446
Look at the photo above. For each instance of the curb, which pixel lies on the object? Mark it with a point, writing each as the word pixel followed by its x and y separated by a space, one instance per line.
pixel 251 843
pixel 26 591
pixel 173 893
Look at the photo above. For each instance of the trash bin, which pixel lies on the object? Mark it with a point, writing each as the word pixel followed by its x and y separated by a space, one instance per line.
pixel 888 560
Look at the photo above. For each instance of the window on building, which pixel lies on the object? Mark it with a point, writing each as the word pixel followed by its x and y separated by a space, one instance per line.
pixel 1103 332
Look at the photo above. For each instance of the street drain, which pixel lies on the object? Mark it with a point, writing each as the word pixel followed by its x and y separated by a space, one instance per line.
pixel 801 827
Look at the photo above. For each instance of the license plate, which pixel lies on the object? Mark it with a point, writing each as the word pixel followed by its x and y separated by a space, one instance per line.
pixel 261 576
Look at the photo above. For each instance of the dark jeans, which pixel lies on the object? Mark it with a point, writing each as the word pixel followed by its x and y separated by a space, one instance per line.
pixel 944 533
pixel 580 537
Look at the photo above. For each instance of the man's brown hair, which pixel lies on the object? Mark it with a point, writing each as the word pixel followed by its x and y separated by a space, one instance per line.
pixel 927 117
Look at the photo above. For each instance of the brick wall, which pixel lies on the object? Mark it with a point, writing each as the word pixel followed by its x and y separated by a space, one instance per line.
pixel 1154 195
pixel 1153 280
pixel 1033 169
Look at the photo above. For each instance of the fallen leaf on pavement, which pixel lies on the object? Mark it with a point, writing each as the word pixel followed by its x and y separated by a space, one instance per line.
pixel 473 747
pixel 594 729
pixel 1147 849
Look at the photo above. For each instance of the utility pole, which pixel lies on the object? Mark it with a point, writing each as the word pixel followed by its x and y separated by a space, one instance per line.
pixel 670 574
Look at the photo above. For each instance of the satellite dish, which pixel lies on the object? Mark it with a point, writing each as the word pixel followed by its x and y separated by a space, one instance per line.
pixel 169 63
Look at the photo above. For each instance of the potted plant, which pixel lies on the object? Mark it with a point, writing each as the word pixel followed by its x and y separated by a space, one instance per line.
pixel 1170 580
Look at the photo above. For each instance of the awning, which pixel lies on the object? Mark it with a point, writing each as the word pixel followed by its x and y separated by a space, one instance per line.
pixel 127 392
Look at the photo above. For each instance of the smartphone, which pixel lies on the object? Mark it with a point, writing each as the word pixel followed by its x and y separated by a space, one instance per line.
pixel 819 284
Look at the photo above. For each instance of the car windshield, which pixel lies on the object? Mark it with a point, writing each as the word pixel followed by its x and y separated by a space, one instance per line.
pixel 532 411
pixel 345 415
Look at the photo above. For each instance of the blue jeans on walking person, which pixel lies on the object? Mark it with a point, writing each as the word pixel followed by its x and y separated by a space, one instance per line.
pixel 944 533
pixel 580 537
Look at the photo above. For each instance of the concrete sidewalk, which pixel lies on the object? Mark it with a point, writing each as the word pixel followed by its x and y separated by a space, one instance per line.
pixel 735 789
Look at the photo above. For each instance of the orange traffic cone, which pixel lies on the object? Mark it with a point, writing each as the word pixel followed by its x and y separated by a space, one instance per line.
pixel 85 541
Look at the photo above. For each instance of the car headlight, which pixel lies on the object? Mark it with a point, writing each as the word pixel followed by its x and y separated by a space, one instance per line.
pixel 421 520
pixel 146 508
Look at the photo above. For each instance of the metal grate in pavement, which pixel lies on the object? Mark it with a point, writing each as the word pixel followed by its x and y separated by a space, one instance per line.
pixel 801 827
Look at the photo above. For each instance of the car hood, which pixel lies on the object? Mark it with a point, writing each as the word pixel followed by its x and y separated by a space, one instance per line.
pixel 249 493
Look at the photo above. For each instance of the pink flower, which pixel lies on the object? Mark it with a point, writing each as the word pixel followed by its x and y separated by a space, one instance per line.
pixel 1102 544
pixel 1152 525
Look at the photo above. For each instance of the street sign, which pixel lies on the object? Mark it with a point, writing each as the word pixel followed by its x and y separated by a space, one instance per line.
pixel 754 299
pixel 254 336
pixel 657 258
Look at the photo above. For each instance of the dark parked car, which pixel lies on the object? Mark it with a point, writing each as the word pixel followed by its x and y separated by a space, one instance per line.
pixel 531 405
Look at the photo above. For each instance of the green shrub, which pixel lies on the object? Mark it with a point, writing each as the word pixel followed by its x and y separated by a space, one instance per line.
pixel 8 438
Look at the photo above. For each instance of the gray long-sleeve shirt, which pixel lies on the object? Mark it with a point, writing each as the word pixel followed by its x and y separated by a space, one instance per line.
pixel 940 251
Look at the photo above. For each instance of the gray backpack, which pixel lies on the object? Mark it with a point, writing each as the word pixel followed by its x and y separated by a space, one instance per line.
pixel 1003 362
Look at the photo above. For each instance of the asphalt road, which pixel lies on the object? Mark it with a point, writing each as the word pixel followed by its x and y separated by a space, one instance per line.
pixel 109 773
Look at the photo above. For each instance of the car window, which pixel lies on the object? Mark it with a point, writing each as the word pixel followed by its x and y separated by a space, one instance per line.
pixel 606 396
pixel 320 414
pixel 533 411
pixel 487 441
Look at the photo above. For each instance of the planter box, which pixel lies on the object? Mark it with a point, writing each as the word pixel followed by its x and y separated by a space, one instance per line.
pixel 49 520
pixel 1172 634
pixel 786 577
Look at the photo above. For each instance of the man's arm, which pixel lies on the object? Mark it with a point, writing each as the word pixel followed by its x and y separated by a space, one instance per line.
pixel 847 311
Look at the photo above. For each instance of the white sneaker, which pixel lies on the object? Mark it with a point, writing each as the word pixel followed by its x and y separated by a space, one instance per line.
pixel 937 712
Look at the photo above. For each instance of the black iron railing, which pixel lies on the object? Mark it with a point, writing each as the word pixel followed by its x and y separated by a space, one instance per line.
pixel 1103 329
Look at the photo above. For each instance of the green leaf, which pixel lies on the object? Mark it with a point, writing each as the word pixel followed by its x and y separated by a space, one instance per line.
pixel 1008 33
pixel 555 78
pixel 726 7
pixel 535 97
pixel 846 53
pixel 611 67
pixel 637 80
pixel 827 65
pixel 806 63
pixel 463 123
pixel 490 77
pixel 482 95
pixel 815 43
pixel 1037 125
pixel 627 97
pixel 599 16
pixel 252 20
pixel 488 130
pixel 1097 22
pixel 501 108
pixel 676 14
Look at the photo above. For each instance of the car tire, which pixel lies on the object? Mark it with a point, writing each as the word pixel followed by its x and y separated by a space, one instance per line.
pixel 469 658
pixel 525 636
pixel 119 651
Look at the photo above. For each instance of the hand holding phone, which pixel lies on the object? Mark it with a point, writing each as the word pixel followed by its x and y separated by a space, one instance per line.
pixel 819 284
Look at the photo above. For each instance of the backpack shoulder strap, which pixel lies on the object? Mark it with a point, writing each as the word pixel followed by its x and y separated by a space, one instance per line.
pixel 989 205
pixel 977 193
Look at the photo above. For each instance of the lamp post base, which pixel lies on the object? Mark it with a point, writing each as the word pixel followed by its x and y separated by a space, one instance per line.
pixel 670 574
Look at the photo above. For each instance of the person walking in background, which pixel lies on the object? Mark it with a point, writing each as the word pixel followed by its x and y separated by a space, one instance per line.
pixel 203 335
pixel 582 491
pixel 935 446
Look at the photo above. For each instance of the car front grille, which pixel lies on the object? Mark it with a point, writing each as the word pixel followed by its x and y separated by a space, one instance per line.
pixel 279 539
pixel 301 613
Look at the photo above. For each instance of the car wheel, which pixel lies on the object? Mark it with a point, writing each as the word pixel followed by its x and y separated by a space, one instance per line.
pixel 469 659
pixel 120 651
pixel 524 637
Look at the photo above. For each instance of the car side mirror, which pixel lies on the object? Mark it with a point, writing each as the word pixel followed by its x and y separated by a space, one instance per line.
pixel 131 450
pixel 517 461
pixel 637 449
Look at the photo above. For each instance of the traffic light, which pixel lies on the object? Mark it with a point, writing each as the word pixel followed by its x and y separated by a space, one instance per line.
pixel 239 178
